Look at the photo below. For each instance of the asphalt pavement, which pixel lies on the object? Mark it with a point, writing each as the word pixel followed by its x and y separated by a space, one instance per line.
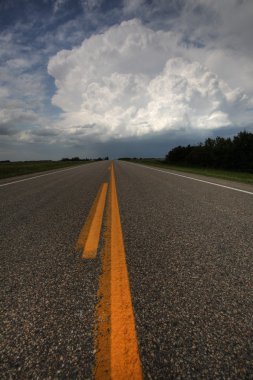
pixel 189 252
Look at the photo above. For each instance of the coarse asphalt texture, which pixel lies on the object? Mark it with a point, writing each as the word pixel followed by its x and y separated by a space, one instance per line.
pixel 189 252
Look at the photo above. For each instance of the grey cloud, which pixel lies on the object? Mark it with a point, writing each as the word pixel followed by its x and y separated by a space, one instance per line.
pixel 7 129
pixel 226 50
pixel 46 132
pixel 79 128
pixel 155 145
pixel 150 146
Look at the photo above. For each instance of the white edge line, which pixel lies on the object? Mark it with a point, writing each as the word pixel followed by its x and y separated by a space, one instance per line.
pixel 38 176
pixel 194 179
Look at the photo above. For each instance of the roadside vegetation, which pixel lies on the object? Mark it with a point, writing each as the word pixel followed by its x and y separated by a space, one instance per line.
pixel 219 153
pixel 12 169
pixel 230 159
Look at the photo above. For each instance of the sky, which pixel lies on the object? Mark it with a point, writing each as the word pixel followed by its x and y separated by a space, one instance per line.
pixel 117 78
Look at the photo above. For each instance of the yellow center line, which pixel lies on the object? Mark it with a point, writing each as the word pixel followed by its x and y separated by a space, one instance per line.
pixel 89 236
pixel 116 332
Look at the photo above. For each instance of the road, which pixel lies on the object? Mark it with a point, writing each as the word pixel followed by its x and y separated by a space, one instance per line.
pixel 189 255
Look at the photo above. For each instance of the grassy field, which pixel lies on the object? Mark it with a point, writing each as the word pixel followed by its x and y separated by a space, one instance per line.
pixel 12 169
pixel 216 173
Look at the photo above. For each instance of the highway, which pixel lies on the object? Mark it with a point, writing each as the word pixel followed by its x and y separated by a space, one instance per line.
pixel 167 293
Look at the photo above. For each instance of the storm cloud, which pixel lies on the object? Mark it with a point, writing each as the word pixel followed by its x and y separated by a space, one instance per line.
pixel 98 76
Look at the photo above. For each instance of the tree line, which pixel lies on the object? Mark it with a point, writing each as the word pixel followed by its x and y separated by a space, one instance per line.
pixel 220 153
pixel 85 159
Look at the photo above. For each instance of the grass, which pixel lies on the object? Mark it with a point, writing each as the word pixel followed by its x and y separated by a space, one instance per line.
pixel 12 169
pixel 237 176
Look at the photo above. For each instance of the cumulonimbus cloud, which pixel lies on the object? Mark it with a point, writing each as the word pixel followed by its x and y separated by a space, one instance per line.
pixel 133 81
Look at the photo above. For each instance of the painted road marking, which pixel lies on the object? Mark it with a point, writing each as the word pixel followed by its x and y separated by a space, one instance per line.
pixel 90 233
pixel 195 179
pixel 38 176
pixel 125 361
pixel 117 356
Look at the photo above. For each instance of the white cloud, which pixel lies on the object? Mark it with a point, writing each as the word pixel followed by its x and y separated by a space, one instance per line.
pixel 91 4
pixel 23 91
pixel 22 97
pixel 131 6
pixel 225 30
pixel 132 81
pixel 188 71
pixel 57 5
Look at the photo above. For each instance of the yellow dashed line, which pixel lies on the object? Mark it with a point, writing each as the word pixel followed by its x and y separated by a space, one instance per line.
pixel 116 326
pixel 89 236
pixel 117 354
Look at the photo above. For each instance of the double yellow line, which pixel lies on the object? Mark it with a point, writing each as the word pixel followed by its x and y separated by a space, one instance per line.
pixel 117 355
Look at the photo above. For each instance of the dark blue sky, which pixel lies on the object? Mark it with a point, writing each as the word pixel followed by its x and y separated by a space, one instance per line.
pixel 93 77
